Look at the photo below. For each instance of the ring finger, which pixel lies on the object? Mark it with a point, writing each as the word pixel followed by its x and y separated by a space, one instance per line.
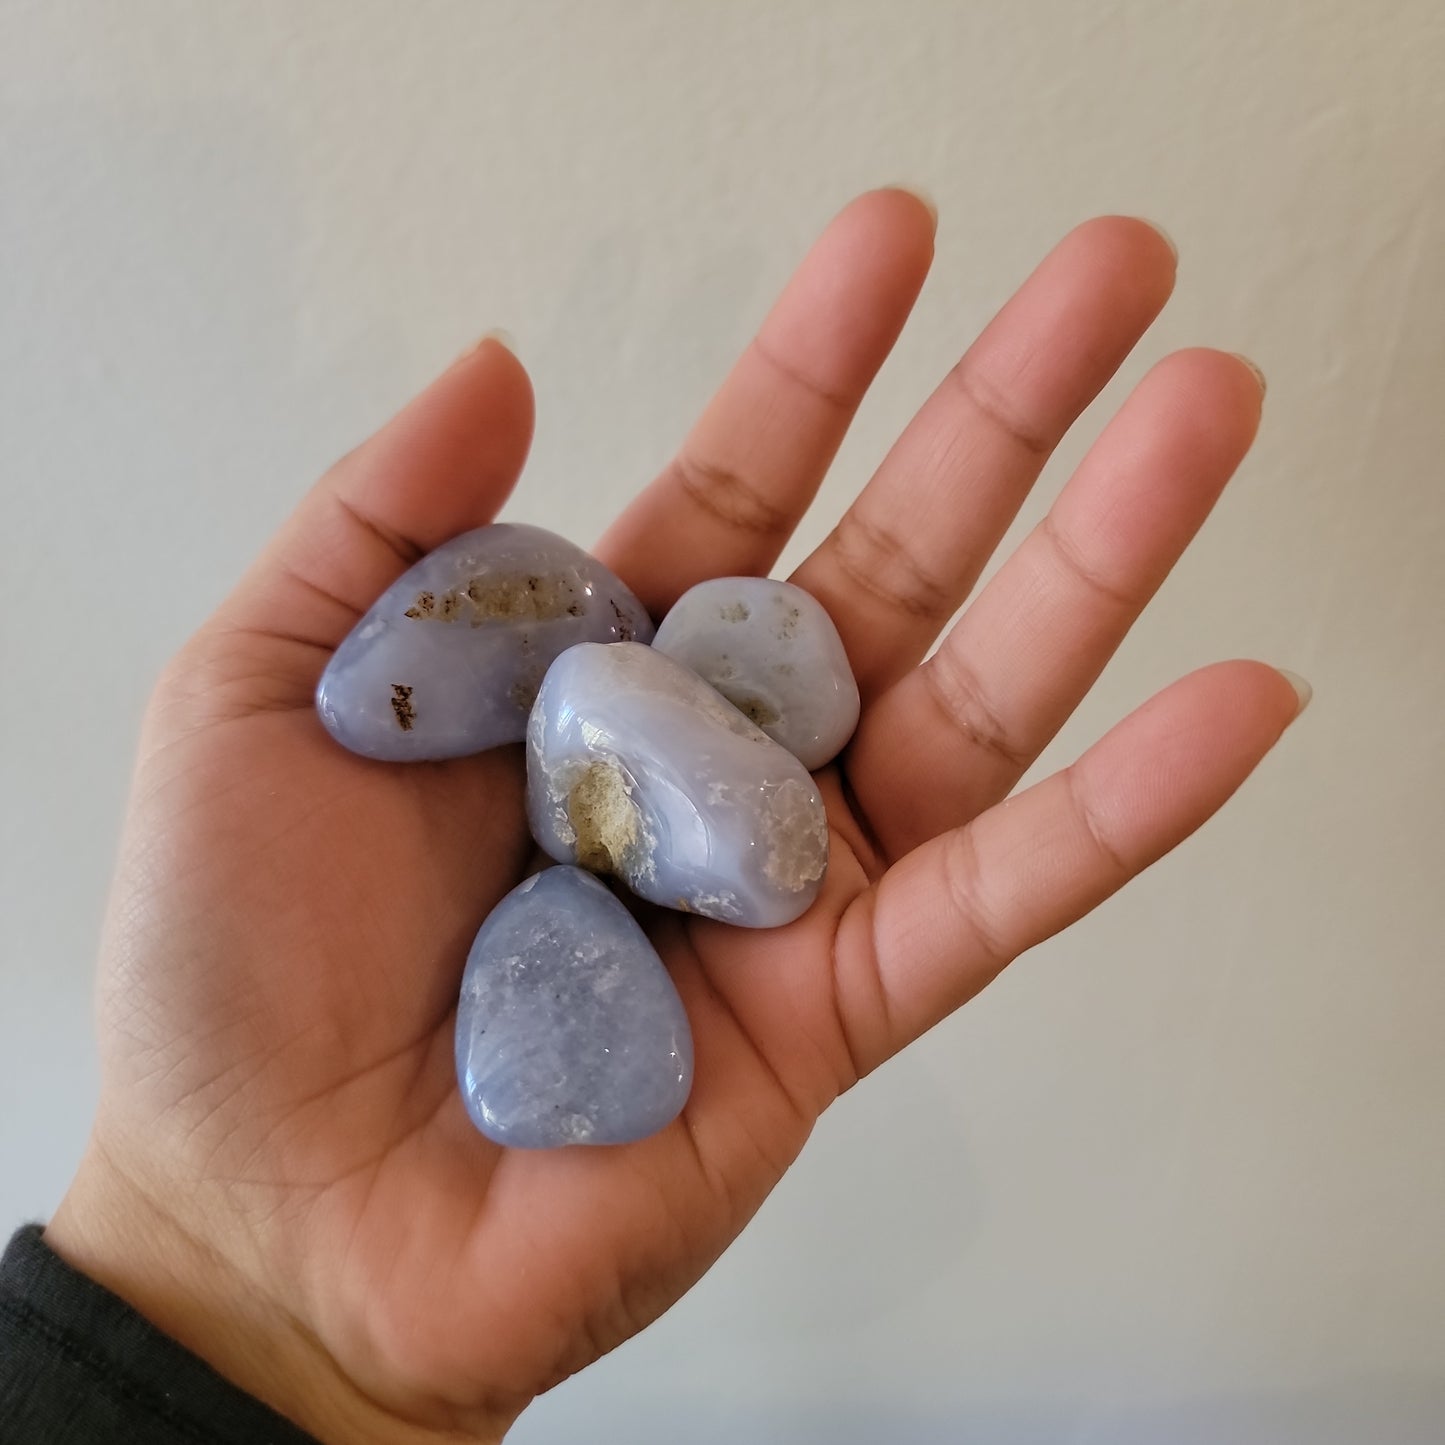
pixel 1028 648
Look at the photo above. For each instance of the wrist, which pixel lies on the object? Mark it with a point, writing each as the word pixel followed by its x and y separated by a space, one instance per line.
pixel 115 1233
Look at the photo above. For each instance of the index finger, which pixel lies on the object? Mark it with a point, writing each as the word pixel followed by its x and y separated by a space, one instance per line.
pixel 729 500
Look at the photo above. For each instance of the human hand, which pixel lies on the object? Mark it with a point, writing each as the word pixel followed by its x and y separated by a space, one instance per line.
pixel 281 1173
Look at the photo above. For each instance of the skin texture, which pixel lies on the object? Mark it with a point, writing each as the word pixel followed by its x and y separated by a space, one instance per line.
pixel 281 1173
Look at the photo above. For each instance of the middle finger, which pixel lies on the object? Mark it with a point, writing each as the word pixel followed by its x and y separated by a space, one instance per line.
pixel 908 551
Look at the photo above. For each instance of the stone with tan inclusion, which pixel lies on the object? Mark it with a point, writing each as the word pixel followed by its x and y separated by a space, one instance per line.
pixel 638 768
pixel 449 659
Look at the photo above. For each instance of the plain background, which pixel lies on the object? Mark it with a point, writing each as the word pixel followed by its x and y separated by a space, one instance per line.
pixel 1180 1175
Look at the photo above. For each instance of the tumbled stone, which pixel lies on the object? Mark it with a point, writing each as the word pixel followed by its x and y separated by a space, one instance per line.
pixel 635 766
pixel 449 659
pixel 771 649
pixel 569 1029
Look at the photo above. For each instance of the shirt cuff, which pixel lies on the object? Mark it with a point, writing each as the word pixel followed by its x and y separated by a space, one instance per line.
pixel 79 1366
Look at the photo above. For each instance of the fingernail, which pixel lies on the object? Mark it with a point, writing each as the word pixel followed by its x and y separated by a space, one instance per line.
pixel 1258 374
pixel 502 338
pixel 1302 690
pixel 1163 235
pixel 921 196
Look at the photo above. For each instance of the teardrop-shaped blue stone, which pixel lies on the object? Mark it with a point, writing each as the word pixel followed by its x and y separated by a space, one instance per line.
pixel 569 1029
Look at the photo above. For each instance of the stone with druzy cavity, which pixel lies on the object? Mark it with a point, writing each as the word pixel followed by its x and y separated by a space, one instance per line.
pixel 636 767
pixel 448 661
pixel 771 649
pixel 569 1029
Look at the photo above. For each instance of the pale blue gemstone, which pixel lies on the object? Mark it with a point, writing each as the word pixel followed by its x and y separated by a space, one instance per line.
pixel 635 766
pixel 569 1029
pixel 448 661
pixel 771 649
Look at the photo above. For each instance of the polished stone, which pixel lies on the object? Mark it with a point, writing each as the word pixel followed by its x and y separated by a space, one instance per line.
pixel 449 659
pixel 771 649
pixel 569 1029
pixel 635 766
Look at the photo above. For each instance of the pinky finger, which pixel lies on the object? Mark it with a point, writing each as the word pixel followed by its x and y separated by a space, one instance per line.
pixel 953 913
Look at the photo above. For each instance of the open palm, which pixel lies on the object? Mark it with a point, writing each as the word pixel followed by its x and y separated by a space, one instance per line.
pixel 290 922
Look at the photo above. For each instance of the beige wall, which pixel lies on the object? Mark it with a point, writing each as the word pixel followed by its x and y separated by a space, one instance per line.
pixel 1181 1175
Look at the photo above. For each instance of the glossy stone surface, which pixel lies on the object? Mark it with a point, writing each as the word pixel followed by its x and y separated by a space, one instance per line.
pixel 635 766
pixel 772 650
pixel 449 659
pixel 569 1029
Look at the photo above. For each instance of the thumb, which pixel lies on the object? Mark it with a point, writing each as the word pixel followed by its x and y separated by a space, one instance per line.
pixel 444 464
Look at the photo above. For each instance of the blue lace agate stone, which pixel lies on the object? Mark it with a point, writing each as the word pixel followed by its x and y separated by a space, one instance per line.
pixel 569 1029
pixel 449 660
pixel 773 652
pixel 635 766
